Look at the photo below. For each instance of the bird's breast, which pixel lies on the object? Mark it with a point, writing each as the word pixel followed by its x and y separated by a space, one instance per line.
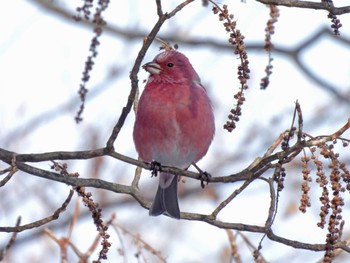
pixel 174 125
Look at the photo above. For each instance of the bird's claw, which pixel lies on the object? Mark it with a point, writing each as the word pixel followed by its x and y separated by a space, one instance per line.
pixel 204 177
pixel 155 168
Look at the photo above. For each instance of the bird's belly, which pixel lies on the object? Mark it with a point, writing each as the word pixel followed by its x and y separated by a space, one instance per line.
pixel 174 151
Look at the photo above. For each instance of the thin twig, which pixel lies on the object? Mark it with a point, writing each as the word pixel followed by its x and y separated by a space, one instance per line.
pixel 43 221
pixel 252 248
pixel 224 203
pixel 11 241
pixel 137 239
pixel 11 172
pixel 233 245
pixel 308 5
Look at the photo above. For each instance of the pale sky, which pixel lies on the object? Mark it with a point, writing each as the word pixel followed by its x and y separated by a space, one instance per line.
pixel 41 63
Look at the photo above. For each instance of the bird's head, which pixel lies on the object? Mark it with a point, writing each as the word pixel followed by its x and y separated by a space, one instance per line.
pixel 171 66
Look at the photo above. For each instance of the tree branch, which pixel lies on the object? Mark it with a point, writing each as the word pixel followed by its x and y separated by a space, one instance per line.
pixel 40 222
pixel 308 5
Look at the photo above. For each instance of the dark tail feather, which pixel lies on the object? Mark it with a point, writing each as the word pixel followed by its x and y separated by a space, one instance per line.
pixel 165 201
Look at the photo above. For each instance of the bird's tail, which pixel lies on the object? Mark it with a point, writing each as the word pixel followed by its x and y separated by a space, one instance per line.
pixel 165 201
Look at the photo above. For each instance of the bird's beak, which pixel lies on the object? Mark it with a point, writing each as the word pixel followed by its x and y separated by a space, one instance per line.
pixel 152 68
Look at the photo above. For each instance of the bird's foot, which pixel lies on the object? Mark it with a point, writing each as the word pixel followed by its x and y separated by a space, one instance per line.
pixel 155 168
pixel 204 176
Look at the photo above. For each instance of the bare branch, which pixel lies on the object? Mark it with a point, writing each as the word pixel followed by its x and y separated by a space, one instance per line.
pixel 224 203
pixel 309 5
pixel 11 241
pixel 233 245
pixel 142 243
pixel 11 172
pixel 42 221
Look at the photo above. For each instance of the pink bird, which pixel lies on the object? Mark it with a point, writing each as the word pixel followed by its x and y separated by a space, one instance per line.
pixel 174 123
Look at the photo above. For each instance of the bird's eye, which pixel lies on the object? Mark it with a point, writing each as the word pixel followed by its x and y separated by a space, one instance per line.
pixel 170 65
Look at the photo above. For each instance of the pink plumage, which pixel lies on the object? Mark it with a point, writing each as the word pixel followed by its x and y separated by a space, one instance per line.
pixel 174 123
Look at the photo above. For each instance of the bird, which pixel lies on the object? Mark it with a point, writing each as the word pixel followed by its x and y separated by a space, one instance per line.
pixel 174 124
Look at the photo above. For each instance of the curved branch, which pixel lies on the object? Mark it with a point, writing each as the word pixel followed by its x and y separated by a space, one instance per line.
pixel 41 222
pixel 256 229
pixel 308 5
pixel 74 181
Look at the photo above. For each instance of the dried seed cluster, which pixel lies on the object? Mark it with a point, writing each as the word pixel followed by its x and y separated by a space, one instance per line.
pixel 333 182
pixel 322 182
pixel 84 10
pixel 96 213
pixel 305 188
pixel 280 172
pixel 237 40
pixel 270 27
pixel 62 169
pixel 99 23
pixel 288 135
pixel 279 176
pixel 270 30
pixel 336 25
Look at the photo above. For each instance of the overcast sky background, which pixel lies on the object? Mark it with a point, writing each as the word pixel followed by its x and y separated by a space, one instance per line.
pixel 41 62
